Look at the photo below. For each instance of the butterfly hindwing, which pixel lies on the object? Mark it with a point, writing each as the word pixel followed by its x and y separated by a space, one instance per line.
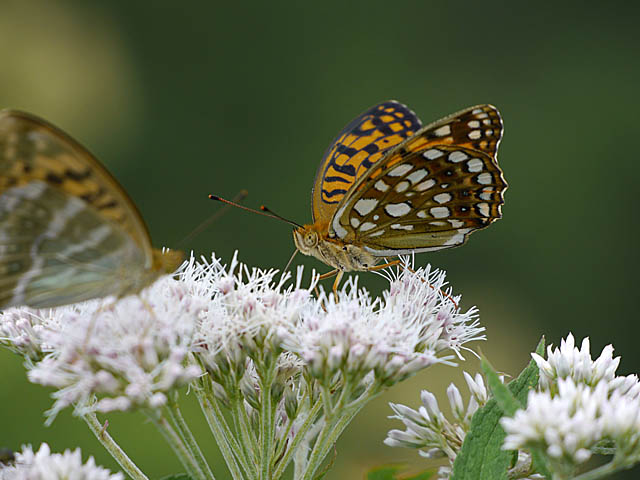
pixel 429 192
pixel 54 250
pixel 356 148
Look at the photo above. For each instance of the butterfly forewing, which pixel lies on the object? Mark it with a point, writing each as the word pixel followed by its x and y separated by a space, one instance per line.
pixel 68 231
pixel 431 191
pixel 357 147
pixel 32 149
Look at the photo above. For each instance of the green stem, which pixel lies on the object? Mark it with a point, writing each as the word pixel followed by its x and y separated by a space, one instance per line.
pixel 178 446
pixel 242 426
pixel 266 423
pixel 334 428
pixel 300 435
pixel 223 436
pixel 602 471
pixel 188 438
pixel 113 448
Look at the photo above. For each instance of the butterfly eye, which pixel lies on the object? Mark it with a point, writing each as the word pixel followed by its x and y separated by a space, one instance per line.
pixel 311 239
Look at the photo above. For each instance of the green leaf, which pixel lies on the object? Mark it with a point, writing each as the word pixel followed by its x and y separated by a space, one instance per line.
pixel 391 472
pixel 481 456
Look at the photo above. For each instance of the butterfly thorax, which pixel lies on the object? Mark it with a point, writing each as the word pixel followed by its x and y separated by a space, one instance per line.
pixel 334 252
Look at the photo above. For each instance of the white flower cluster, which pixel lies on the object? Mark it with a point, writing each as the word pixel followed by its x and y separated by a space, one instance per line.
pixel 580 404
pixel 430 431
pixel 44 465
pixel 393 337
pixel 130 353
pixel 127 353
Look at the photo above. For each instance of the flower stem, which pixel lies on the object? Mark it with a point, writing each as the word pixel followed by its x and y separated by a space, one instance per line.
pixel 178 446
pixel 224 438
pixel 113 448
pixel 188 438
pixel 266 424
pixel 334 427
pixel 602 471
pixel 300 435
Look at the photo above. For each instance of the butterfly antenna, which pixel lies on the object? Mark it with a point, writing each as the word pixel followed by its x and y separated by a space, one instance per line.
pixel 264 211
pixel 240 196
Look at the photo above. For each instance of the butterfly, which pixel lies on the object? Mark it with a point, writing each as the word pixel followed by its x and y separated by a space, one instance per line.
pixel 387 186
pixel 68 230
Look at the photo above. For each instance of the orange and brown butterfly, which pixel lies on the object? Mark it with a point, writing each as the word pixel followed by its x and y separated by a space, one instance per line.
pixel 387 186
pixel 68 230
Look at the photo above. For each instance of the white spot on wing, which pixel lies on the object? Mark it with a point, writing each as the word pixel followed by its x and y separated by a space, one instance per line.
pixel 354 222
pixel 484 178
pixel 367 226
pixel 440 212
pixel 397 209
pixel 381 186
pixel 426 185
pixel 432 154
pixel 456 157
pixel 397 226
pixel 415 177
pixel 456 223
pixel 458 237
pixel 402 186
pixel 486 193
pixel 365 205
pixel 474 134
pixel 400 170
pixel 473 124
pixel 339 229
pixel 442 198
pixel 443 131
pixel 476 111
pixel 422 214
pixel 377 234
pixel 483 208
pixel 474 165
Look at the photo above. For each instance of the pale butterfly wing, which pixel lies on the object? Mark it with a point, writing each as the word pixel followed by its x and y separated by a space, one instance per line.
pixel 68 231
pixel 431 191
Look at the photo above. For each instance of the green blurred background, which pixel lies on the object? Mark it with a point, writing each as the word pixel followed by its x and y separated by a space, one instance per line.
pixel 181 101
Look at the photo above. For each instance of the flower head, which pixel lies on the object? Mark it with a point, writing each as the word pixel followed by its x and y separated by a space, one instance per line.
pixel 127 353
pixel 413 326
pixel 568 361
pixel 44 465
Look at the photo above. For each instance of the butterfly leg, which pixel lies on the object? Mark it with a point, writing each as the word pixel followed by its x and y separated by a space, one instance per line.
pixel 324 276
pixel 399 263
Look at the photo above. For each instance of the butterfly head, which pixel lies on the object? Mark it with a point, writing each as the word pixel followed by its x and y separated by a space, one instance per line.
pixel 334 252
pixel 306 239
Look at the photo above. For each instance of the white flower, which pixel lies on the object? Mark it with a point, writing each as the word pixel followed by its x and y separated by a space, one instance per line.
pixel 429 430
pixel 246 315
pixel 565 426
pixel 44 465
pixel 570 362
pixel 128 353
pixel 415 325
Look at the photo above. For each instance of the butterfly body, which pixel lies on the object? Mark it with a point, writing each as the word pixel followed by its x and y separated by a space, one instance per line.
pixel 388 186
pixel 68 231
pixel 345 257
